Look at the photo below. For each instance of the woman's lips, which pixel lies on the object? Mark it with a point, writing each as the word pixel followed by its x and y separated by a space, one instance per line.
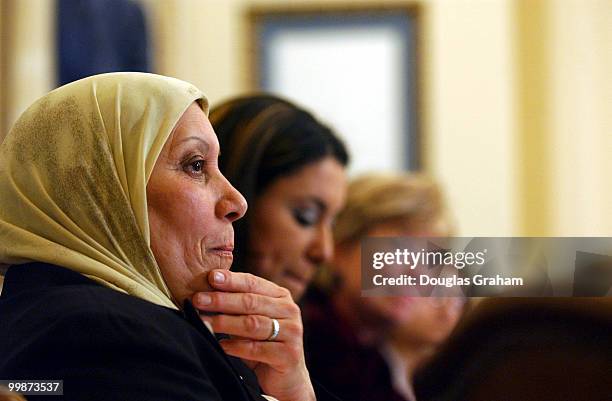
pixel 295 281
pixel 225 250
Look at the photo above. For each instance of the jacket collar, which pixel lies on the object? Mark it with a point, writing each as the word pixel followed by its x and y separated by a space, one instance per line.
pixel 38 276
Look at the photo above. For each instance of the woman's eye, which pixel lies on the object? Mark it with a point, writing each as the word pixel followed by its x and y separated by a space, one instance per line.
pixel 306 217
pixel 195 167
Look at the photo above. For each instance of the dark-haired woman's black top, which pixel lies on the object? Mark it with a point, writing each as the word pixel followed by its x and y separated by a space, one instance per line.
pixel 56 324
pixel 337 359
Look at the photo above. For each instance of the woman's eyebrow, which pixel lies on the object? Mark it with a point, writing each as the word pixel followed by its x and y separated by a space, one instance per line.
pixel 318 202
pixel 196 138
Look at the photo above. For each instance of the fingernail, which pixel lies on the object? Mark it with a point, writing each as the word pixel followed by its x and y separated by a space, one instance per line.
pixel 219 277
pixel 204 299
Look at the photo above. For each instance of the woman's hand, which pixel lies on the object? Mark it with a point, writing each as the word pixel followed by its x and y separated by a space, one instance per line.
pixel 247 305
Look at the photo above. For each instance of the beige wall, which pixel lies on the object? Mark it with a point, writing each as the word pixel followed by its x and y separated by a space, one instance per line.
pixel 471 113
pixel 203 42
pixel 516 103
pixel 516 96
pixel 581 117
pixel 564 100
pixel 468 110
pixel 2 57
pixel 534 170
pixel 28 71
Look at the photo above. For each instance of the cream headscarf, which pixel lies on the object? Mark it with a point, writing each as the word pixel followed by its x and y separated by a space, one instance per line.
pixel 73 175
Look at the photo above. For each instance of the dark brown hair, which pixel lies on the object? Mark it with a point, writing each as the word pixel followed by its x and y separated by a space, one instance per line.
pixel 262 138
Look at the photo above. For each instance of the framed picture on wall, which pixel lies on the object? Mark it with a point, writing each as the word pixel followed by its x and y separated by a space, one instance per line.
pixel 356 69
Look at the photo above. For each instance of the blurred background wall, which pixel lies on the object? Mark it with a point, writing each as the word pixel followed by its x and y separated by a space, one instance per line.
pixel 515 95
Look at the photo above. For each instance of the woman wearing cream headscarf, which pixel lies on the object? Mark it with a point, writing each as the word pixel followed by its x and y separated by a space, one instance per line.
pixel 113 217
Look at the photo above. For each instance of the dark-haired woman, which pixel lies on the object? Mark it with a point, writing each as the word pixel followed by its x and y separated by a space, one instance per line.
pixel 291 169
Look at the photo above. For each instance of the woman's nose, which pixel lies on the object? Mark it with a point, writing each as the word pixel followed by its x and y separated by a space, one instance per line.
pixel 322 249
pixel 232 205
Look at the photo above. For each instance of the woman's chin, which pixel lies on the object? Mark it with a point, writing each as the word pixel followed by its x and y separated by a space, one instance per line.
pixel 295 286
pixel 221 259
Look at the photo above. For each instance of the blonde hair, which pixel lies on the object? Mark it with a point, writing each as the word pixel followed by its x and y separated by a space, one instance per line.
pixel 410 199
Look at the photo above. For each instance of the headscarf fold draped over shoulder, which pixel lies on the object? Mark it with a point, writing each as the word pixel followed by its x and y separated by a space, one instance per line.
pixel 73 176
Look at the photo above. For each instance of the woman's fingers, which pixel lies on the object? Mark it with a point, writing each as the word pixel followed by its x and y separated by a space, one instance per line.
pixel 245 304
pixel 226 280
pixel 281 356
pixel 255 327
pixel 250 364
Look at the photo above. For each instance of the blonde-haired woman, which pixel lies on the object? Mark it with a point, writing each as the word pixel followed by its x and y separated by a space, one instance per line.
pixel 358 358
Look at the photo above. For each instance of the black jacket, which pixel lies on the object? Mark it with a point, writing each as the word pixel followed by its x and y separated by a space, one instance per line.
pixel 105 345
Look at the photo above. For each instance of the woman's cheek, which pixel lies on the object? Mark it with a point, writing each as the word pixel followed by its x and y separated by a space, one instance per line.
pixel 265 263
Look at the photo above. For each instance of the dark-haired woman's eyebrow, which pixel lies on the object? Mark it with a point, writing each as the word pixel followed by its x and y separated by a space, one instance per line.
pixel 318 202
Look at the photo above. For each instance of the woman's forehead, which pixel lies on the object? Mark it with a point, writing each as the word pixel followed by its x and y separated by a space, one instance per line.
pixel 322 180
pixel 193 117
pixel 193 128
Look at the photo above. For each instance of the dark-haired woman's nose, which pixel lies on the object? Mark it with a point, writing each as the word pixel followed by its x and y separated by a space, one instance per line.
pixel 322 248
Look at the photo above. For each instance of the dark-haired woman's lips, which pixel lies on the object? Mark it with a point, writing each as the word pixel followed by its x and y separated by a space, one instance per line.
pixel 296 281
